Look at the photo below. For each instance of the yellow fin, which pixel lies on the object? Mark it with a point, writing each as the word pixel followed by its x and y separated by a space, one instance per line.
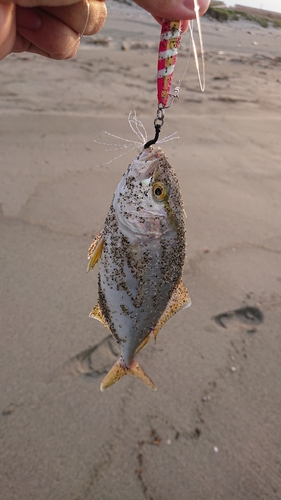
pixel 119 370
pixel 180 299
pixel 97 314
pixel 143 343
pixel 95 251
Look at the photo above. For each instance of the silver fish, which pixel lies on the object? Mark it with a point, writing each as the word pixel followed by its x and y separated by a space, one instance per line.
pixel 141 253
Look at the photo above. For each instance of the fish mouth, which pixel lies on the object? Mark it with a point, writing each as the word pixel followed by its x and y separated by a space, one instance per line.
pixel 153 152
pixel 149 159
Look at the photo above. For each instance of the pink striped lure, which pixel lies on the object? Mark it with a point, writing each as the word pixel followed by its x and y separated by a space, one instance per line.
pixel 167 55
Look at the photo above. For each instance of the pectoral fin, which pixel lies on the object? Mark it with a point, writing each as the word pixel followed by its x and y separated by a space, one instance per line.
pixel 180 299
pixel 120 369
pixel 95 251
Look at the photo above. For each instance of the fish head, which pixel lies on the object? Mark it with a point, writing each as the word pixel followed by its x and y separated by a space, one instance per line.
pixel 148 200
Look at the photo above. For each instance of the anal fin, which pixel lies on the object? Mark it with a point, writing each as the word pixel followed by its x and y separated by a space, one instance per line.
pixel 180 299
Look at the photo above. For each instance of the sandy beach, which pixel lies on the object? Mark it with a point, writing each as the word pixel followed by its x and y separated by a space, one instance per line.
pixel 212 431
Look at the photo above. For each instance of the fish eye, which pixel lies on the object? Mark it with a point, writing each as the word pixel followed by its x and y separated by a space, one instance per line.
pixel 159 191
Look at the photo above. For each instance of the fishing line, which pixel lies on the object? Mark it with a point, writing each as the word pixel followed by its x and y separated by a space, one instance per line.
pixel 85 25
pixel 202 80
pixel 87 19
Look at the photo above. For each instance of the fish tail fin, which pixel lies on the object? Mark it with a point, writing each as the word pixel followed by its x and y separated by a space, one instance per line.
pixel 120 369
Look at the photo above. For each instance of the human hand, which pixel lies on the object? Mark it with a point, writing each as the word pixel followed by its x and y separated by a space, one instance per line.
pixel 50 28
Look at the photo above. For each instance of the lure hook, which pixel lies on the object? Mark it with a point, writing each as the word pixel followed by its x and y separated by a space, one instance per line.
pixel 158 122
pixel 173 96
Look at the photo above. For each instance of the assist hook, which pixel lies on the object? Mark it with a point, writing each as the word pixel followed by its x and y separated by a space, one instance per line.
pixel 158 122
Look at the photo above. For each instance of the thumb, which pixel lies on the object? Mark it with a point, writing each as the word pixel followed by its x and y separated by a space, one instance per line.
pixel 7 28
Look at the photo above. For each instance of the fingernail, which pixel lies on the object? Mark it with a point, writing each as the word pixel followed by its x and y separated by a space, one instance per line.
pixel 28 18
pixel 202 4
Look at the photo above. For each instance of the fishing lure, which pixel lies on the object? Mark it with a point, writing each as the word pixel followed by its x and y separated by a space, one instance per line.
pixel 170 39
pixel 169 44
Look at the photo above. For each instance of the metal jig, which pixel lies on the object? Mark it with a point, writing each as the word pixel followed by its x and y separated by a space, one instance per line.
pixel 167 56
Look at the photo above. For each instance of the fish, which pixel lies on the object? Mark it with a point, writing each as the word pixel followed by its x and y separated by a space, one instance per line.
pixel 141 253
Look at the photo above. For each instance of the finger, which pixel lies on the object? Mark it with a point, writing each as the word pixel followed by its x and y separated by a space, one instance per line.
pixel 37 3
pixel 7 29
pixel 24 45
pixel 76 16
pixel 52 38
pixel 173 9
pixel 184 25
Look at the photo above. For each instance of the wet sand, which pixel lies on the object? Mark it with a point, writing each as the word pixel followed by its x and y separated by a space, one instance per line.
pixel 212 430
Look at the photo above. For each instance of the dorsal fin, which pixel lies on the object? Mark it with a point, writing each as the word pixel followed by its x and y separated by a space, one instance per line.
pixel 144 342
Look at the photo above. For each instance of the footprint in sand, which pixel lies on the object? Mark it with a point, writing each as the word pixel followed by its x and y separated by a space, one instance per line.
pixel 96 360
pixel 247 316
